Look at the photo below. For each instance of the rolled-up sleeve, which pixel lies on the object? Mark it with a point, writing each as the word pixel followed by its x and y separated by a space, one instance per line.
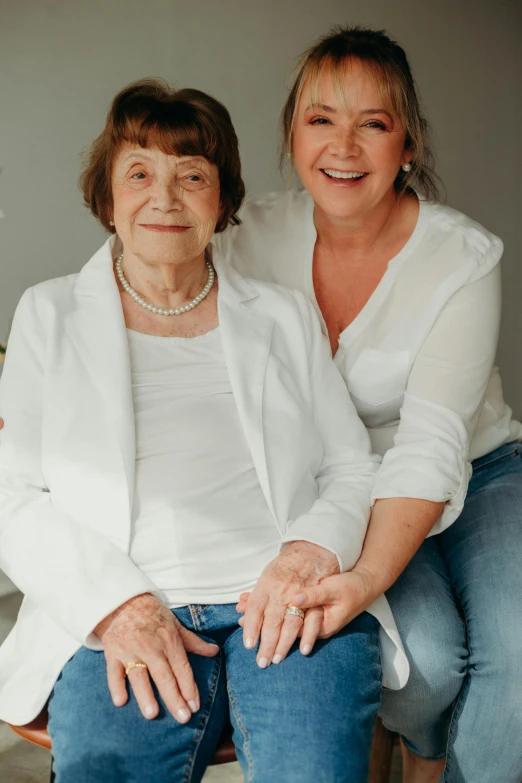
pixel 429 459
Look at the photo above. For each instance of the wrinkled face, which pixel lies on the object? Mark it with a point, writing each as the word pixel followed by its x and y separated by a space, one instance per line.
pixel 347 152
pixel 165 207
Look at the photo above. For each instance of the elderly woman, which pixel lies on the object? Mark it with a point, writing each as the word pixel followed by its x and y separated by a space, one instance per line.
pixel 175 435
pixel 409 295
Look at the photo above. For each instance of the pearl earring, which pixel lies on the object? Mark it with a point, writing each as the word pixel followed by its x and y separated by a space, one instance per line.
pixel 111 222
pixel 406 167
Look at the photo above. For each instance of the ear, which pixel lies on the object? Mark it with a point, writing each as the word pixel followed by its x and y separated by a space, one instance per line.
pixel 407 153
pixel 407 156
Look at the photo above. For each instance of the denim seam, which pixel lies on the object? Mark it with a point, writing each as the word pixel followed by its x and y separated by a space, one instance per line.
pixel 457 709
pixel 194 614
pixel 453 726
pixel 408 745
pixel 203 722
pixel 244 732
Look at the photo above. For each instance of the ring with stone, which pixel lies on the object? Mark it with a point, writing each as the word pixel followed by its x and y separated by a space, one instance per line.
pixel 291 609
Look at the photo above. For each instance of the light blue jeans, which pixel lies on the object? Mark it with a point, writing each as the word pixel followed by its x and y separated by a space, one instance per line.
pixel 306 720
pixel 458 607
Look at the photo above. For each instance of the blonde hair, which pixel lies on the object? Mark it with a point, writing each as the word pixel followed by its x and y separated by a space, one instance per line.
pixel 387 65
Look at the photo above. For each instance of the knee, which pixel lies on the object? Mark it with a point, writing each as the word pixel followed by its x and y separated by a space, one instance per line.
pixel 437 672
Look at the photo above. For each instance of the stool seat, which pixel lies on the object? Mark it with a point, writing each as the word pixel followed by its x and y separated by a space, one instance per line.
pixel 35 732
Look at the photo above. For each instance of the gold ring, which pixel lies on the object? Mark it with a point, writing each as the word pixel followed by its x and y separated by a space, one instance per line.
pixel 134 665
pixel 291 609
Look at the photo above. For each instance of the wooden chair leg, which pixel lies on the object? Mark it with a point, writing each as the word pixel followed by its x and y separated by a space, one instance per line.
pixel 381 757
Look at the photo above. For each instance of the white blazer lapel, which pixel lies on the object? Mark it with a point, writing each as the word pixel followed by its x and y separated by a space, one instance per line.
pixel 97 329
pixel 246 337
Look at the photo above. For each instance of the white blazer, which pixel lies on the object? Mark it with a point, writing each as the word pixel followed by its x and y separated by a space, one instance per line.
pixel 67 456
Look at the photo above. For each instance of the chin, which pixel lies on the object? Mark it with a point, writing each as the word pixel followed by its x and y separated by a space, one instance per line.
pixel 341 206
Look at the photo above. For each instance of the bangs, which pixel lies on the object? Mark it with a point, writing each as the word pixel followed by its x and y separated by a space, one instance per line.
pixel 176 128
pixel 335 67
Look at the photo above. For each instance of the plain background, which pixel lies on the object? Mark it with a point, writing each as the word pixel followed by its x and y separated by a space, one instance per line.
pixel 62 61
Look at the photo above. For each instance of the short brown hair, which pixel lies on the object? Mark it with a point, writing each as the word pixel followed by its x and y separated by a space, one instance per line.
pixel 387 64
pixel 180 122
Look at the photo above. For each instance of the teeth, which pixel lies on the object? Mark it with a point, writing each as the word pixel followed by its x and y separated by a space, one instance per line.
pixel 343 174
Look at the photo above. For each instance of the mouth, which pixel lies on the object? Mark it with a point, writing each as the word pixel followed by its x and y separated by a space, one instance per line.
pixel 165 229
pixel 345 178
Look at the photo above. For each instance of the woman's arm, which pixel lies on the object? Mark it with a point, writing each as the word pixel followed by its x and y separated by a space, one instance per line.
pixel 76 575
pixel 397 528
pixel 328 537
pixel 425 474
pixel 444 396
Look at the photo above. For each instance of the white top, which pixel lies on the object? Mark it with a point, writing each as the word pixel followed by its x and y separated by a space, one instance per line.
pixel 202 530
pixel 418 359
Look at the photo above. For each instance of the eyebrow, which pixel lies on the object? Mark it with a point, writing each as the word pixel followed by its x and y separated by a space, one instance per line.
pixel 130 156
pixel 322 106
pixel 331 109
pixel 378 111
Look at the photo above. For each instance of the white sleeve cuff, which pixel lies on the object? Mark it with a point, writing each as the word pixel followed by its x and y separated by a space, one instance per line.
pixel 428 461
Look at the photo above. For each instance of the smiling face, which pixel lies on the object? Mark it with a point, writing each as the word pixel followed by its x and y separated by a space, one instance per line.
pixel 165 206
pixel 348 146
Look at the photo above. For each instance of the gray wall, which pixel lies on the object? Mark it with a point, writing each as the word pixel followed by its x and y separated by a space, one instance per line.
pixel 61 62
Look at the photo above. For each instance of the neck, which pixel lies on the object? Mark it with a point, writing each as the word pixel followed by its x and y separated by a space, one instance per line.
pixel 165 284
pixel 359 234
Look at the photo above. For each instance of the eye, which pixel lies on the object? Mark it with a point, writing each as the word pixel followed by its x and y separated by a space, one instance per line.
pixel 320 121
pixel 376 124
pixel 138 175
pixel 195 178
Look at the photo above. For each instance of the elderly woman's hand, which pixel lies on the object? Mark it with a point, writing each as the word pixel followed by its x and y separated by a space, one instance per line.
pixel 299 565
pixel 144 630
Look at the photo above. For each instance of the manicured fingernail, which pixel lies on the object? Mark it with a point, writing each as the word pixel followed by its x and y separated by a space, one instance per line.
pixel 193 706
pixel 306 649
pixel 299 599
pixel 183 715
pixel 249 643
pixel 118 701
pixel 149 711
pixel 262 663
pixel 277 658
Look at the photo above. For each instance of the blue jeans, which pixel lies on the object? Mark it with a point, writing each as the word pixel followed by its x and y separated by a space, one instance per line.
pixel 308 719
pixel 458 607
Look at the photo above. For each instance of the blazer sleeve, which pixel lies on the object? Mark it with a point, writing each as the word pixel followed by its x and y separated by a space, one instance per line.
pixel 74 574
pixel 430 456
pixel 339 517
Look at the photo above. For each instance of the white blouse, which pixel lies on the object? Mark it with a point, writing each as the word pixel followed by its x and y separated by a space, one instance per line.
pixel 202 530
pixel 418 360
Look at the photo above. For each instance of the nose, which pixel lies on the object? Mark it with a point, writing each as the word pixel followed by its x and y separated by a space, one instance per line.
pixel 167 195
pixel 345 143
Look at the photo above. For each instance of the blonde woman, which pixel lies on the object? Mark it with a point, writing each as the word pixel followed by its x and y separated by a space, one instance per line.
pixel 408 291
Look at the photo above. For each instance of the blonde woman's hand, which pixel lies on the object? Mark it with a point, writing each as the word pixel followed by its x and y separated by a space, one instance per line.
pixel 341 597
pixel 143 629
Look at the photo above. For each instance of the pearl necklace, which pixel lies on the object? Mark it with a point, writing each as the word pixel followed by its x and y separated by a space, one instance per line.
pixel 159 310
